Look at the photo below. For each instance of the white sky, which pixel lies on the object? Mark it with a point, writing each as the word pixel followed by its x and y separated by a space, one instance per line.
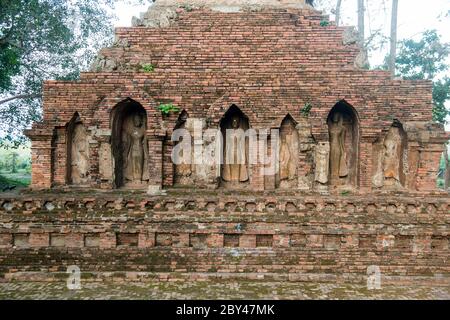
pixel 415 16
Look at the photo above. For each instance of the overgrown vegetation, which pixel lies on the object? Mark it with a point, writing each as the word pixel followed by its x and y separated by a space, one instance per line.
pixel 306 110
pixel 169 108
pixel 46 40
pixel 148 68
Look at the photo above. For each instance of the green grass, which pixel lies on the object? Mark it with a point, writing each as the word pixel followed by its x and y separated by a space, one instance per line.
pixel 20 179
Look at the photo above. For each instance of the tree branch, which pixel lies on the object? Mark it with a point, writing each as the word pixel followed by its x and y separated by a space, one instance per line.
pixel 21 96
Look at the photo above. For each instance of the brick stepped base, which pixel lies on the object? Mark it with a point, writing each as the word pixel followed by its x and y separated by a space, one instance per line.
pixel 289 237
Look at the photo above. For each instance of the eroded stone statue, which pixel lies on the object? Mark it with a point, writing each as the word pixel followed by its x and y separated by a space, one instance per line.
pixel 378 159
pixel 392 154
pixel 288 152
pixel 338 155
pixel 79 155
pixel 183 169
pixel 235 152
pixel 135 149
pixel 322 157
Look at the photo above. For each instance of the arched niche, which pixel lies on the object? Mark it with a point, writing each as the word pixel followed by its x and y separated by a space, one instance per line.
pixel 77 152
pixel 235 169
pixel 183 151
pixel 343 128
pixel 288 154
pixel 129 145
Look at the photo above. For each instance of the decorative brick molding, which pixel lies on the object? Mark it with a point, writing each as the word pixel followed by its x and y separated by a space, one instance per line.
pixel 322 235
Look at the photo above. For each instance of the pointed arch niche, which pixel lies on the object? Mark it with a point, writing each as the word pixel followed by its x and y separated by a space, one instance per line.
pixel 235 169
pixel 343 128
pixel 77 172
pixel 129 145
pixel 288 158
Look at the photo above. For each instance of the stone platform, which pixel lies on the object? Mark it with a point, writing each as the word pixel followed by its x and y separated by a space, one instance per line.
pixel 217 235
pixel 218 290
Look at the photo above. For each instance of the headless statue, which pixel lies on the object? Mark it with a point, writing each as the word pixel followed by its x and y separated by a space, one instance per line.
pixel 338 157
pixel 80 155
pixel 392 154
pixel 235 164
pixel 288 150
pixel 184 169
pixel 322 159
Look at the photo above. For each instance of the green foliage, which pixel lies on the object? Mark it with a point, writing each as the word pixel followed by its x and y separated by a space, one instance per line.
pixel 15 167
pixel 186 7
pixel 306 109
pixel 324 23
pixel 425 59
pixel 169 108
pixel 148 68
pixel 45 40
pixel 14 160
pixel 441 94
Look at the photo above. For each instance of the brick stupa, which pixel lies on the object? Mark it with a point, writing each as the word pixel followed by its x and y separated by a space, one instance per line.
pixel 356 167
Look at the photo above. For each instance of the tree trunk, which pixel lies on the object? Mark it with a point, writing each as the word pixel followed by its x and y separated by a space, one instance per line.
pixel 21 96
pixel 393 54
pixel 14 157
pixel 361 22
pixel 338 12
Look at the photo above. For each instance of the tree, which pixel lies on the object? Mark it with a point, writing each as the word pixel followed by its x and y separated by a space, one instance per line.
pixel 393 41
pixel 14 156
pixel 425 59
pixel 45 39
pixel 361 22
pixel 338 12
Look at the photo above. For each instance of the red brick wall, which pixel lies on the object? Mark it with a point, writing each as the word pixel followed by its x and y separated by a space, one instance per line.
pixel 269 63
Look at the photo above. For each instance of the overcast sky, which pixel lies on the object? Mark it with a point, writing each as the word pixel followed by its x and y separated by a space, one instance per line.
pixel 415 16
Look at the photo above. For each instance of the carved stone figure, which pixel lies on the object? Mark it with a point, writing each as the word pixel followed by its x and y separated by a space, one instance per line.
pixel 79 154
pixel 322 158
pixel 235 152
pixel 338 155
pixel 135 148
pixel 288 151
pixel 105 161
pixel 378 158
pixel 184 166
pixel 393 154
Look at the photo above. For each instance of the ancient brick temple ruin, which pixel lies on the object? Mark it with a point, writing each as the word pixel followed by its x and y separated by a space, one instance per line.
pixel 354 184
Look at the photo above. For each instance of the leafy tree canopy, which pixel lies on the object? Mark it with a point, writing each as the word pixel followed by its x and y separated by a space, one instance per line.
pixel 45 39
pixel 426 59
